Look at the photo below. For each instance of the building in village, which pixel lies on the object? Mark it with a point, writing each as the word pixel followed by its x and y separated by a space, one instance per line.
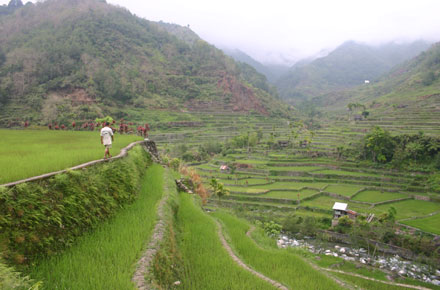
pixel 340 209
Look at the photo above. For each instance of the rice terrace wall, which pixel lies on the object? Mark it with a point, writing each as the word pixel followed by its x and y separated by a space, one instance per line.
pixel 42 215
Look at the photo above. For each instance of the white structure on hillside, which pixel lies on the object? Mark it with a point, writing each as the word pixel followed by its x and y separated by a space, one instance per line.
pixel 339 209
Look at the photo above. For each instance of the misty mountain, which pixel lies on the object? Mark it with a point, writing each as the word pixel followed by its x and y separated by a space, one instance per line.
pixel 347 66
pixel 414 83
pixel 272 71
pixel 66 60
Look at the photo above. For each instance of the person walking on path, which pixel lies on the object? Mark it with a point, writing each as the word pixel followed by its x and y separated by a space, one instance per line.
pixel 106 139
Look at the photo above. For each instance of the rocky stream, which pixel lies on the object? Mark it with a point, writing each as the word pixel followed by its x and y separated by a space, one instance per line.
pixel 394 264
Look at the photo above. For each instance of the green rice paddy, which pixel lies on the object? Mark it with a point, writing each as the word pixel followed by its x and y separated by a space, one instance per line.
pixel 206 263
pixel 279 265
pixel 106 258
pixel 428 224
pixel 27 153
pixel 411 208
pixel 374 196
pixel 343 189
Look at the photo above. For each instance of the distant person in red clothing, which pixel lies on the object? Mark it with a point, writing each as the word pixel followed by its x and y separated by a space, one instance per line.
pixel 107 139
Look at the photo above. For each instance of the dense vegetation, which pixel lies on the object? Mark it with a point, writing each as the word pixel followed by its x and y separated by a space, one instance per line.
pixel 400 150
pixel 64 60
pixel 120 241
pixel 43 217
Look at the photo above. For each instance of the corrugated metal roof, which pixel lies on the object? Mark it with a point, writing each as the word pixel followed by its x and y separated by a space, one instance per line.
pixel 340 206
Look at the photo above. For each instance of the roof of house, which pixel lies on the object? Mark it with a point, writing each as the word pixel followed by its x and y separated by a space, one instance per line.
pixel 340 206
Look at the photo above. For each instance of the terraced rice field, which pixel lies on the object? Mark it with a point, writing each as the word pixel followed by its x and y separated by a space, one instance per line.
pixel 343 189
pixel 27 153
pixel 428 224
pixel 374 196
pixel 278 175
pixel 411 208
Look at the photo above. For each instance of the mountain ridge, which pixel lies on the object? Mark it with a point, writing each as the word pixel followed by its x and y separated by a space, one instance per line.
pixel 347 66
pixel 58 51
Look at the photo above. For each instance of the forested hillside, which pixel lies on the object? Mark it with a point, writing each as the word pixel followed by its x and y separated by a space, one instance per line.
pixel 347 66
pixel 66 60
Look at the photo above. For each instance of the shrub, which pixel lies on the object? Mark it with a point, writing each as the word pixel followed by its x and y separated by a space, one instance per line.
pixel 10 279
pixel 175 164
pixel 292 223
pixel 42 217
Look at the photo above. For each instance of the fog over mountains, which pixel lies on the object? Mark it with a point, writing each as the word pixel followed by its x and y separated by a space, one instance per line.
pixel 349 65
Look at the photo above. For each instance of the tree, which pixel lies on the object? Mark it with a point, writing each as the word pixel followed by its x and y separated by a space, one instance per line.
pixel 218 188
pixel 365 114
pixel 379 145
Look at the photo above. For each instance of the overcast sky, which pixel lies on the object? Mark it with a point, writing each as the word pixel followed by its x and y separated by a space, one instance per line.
pixel 281 29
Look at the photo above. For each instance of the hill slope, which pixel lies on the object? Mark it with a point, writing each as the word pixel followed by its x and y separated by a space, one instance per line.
pixel 347 66
pixel 62 60
pixel 413 85
pixel 272 71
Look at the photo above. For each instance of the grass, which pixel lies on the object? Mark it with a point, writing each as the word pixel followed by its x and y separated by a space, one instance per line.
pixel 327 202
pixel 277 264
pixel 343 189
pixel 293 185
pixel 250 181
pixel 410 208
pixel 290 194
pixel 374 196
pixel 368 284
pixel 346 173
pixel 26 153
pixel 246 189
pixel 430 224
pixel 294 168
pixel 106 258
pixel 206 263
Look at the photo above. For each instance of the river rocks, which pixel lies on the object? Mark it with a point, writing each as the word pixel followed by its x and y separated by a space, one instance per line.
pixel 394 264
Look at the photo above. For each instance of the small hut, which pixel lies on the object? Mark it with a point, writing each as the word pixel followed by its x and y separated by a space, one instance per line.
pixel 339 209
pixel 224 168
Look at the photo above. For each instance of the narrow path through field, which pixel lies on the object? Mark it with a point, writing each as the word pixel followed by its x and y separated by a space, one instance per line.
pixel 242 264
pixel 123 153
pixel 249 234
pixel 144 263
pixel 375 280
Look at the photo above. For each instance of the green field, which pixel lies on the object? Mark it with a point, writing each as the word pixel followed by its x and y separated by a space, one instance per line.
pixel 410 208
pixel 106 258
pixel 293 185
pixel 206 263
pixel 374 196
pixel 279 265
pixel 343 189
pixel 291 194
pixel 430 224
pixel 26 153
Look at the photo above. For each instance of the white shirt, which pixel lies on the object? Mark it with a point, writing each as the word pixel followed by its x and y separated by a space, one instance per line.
pixel 106 134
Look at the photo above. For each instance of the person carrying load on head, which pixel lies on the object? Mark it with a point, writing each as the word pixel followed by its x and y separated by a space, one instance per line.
pixel 107 139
